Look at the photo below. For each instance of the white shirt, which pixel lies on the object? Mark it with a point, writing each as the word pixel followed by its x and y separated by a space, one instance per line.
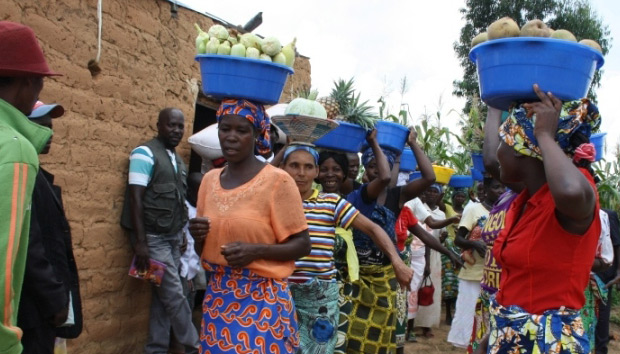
pixel 190 261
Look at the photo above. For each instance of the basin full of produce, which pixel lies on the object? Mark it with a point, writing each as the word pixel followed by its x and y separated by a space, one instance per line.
pixel 236 77
pixel 235 65
pixel 508 67
pixel 461 181
pixel 346 137
pixel 442 174
pixel 510 60
pixel 408 162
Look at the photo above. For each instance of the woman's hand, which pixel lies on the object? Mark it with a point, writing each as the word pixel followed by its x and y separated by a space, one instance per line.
pixel 547 113
pixel 412 138
pixel 404 274
pixel 240 254
pixel 371 137
pixel 427 270
pixel 479 247
pixel 456 260
pixel 456 219
pixel 199 228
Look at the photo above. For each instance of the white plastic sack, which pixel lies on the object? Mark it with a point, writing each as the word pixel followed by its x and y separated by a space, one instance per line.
pixel 206 143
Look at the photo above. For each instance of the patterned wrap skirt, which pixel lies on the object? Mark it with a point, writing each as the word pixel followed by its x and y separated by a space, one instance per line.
pixel 449 278
pixel 513 330
pixel 316 302
pixel 247 313
pixel 368 312
pixel 481 320
pixel 595 294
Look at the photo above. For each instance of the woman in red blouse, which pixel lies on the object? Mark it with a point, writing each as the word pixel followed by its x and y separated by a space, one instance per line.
pixel 547 246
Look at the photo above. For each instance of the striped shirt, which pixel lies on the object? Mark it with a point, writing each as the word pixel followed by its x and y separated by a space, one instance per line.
pixel 324 212
pixel 141 165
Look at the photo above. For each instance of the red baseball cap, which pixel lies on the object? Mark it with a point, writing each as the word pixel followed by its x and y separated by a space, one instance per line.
pixel 21 53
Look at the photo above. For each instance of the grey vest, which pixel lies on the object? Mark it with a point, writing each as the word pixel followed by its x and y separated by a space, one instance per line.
pixel 164 198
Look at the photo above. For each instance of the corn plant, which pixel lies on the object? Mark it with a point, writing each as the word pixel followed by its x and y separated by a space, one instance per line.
pixel 609 185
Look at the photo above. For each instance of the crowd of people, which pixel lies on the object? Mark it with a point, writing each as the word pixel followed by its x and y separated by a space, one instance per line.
pixel 298 253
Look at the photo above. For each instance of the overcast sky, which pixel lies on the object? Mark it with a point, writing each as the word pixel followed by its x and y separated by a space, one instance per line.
pixel 380 42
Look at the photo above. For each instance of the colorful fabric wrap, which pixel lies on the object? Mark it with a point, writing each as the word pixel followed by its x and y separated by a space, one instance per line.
pixel 482 320
pixel 317 313
pixel 255 113
pixel 345 246
pixel 595 294
pixel 576 116
pixel 449 278
pixel 513 330
pixel 246 313
pixel 585 152
pixel 459 190
pixel 309 149
pixel 437 186
pixel 368 312
pixel 369 155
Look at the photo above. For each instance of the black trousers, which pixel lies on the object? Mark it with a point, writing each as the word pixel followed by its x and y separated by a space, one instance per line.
pixel 39 340
pixel 602 325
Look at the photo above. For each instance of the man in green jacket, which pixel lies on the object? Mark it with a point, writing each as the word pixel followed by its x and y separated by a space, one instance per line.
pixel 22 69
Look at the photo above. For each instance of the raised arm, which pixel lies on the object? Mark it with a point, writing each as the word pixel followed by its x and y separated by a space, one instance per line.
pixel 441 223
pixel 434 243
pixel 377 185
pixel 416 187
pixel 572 193
pixel 404 273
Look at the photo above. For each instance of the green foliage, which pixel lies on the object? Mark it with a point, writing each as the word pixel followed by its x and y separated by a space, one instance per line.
pixel 609 186
pixel 576 16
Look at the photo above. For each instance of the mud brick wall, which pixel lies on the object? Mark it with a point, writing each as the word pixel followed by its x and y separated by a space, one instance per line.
pixel 147 63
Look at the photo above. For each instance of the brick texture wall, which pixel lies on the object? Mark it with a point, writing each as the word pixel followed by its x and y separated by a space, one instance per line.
pixel 147 63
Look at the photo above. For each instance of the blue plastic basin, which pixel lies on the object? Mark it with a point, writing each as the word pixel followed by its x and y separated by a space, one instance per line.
pixel 415 175
pixel 476 159
pixel 346 137
pixel 598 140
pixel 461 181
pixel 477 175
pixel 408 162
pixel 508 67
pixel 391 136
pixel 225 76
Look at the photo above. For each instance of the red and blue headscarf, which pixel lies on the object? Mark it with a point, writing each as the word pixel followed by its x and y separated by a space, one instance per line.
pixel 255 113
pixel 576 116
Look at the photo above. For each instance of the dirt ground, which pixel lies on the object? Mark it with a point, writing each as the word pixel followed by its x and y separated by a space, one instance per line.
pixel 439 344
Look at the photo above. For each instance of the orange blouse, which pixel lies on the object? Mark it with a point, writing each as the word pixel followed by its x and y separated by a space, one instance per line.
pixel 267 209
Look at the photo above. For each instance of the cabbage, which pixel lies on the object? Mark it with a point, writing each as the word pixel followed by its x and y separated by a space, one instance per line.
pixel 264 57
pixel 271 46
pixel 306 107
pixel 219 32
pixel 238 50
pixel 252 52
pixel 279 58
pixel 212 45
pixel 249 40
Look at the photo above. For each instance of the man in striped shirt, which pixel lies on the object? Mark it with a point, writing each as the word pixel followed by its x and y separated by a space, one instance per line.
pixel 155 213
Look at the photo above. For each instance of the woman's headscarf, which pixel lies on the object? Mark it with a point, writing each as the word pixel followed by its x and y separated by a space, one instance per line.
pixel 459 190
pixel 576 116
pixel 255 113
pixel 369 155
pixel 291 149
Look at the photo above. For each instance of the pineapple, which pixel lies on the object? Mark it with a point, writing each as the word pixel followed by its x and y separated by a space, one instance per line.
pixel 331 106
pixel 359 113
